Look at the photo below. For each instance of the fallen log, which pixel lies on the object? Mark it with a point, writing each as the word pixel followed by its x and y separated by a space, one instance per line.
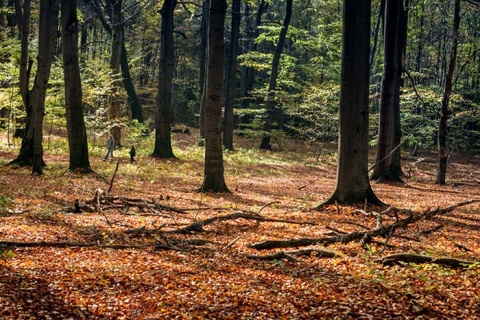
pixel 399 258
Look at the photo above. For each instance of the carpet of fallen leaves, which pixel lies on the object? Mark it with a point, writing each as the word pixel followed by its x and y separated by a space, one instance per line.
pixel 217 280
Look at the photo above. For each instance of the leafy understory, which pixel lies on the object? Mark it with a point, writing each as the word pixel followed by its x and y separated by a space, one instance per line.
pixel 137 242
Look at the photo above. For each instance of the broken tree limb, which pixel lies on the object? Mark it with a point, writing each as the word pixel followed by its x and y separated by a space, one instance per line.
pixel 11 244
pixel 276 256
pixel 384 231
pixel 198 226
pixel 400 258
pixel 318 253
pixel 113 178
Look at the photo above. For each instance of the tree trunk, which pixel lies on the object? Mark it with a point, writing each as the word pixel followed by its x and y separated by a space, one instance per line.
pixel 272 110
pixel 443 130
pixel 248 73
pixel 114 111
pixel 231 76
pixel 48 25
pixel 163 142
pixel 25 155
pixel 380 20
pixel 77 135
pixel 203 68
pixel 353 184
pixel 214 179
pixel 402 34
pixel 384 164
pixel 133 100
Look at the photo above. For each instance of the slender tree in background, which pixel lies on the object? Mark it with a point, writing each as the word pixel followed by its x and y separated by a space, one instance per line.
pixel 252 32
pixel 203 67
pixel 385 168
pixel 23 14
pixel 231 75
pixel 443 130
pixel 47 28
pixel 402 33
pixel 77 135
pixel 163 141
pixel 353 184
pixel 114 110
pixel 135 104
pixel 273 112
pixel 214 179
pixel 376 32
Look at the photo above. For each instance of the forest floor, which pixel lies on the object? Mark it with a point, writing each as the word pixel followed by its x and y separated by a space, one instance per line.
pixel 138 258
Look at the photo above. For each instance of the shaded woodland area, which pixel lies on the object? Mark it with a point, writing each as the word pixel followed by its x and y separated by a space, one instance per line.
pixel 294 159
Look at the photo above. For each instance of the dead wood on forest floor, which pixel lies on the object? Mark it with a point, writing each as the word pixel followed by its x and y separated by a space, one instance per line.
pixel 289 255
pixel 405 258
pixel 198 226
pixel 383 231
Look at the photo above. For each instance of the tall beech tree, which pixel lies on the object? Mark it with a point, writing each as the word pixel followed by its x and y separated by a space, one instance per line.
pixel 442 130
pixel 47 37
pixel 273 113
pixel 214 179
pixel 353 184
pixel 163 141
pixel 77 135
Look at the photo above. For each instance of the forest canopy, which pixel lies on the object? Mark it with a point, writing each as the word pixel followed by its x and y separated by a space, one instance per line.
pixel 307 91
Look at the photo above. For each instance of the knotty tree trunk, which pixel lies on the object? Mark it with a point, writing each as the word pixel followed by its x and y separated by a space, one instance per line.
pixel 442 130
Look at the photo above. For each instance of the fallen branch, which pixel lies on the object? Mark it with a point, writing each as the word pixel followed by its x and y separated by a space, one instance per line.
pixel 289 255
pixel 198 226
pixel 10 244
pixel 400 258
pixel 358 235
pixel 113 177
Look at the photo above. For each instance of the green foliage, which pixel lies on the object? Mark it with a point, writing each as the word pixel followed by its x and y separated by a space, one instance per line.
pixel 316 117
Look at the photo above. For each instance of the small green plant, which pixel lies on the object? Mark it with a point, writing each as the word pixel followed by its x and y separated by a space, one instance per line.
pixel 6 254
